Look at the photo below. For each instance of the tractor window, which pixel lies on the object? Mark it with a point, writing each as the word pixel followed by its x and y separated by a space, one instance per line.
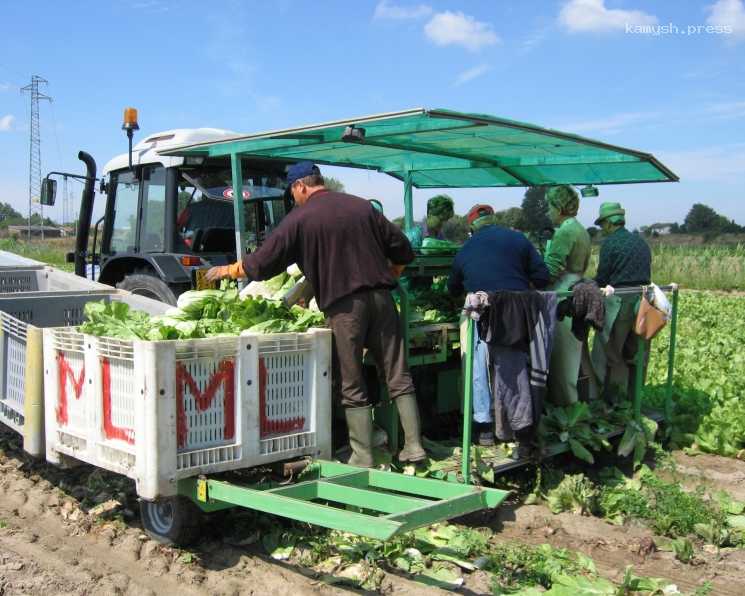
pixel 153 209
pixel 204 223
pixel 124 231
pixel 205 220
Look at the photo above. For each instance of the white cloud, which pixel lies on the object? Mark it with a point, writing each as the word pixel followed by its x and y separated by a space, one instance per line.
pixel 455 28
pixel 726 109
pixel 471 74
pixel 5 87
pixel 6 122
pixel 533 40
pixel 728 13
pixel 386 10
pixel 611 124
pixel 580 16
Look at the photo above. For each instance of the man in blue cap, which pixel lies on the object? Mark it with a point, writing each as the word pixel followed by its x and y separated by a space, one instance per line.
pixel 350 253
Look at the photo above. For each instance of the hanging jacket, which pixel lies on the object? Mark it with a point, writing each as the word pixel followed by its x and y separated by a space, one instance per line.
pixel 586 307
pixel 519 329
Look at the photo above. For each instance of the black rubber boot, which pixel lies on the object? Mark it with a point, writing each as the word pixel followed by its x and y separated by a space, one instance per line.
pixel 408 412
pixel 360 426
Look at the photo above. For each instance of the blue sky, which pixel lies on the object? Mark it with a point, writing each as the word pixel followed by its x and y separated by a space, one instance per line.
pixel 583 66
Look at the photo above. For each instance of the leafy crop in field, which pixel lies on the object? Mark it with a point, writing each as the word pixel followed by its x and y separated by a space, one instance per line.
pixel 572 425
pixel 708 410
pixel 575 493
pixel 662 505
pixel 583 428
pixel 669 510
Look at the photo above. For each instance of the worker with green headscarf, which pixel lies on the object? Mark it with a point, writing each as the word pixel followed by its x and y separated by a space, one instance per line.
pixel 567 257
pixel 440 209
pixel 625 261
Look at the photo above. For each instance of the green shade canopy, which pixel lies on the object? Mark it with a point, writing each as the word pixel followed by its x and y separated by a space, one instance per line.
pixel 447 149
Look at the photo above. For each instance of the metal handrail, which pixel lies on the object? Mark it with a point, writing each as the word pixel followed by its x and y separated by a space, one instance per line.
pixel 638 380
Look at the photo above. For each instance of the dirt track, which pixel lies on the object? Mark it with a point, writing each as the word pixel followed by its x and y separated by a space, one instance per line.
pixel 50 544
pixel 53 542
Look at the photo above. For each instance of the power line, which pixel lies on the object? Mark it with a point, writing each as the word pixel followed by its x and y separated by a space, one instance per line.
pixel 34 157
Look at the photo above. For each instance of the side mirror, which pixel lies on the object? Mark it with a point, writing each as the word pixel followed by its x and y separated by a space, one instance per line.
pixel 70 257
pixel 48 191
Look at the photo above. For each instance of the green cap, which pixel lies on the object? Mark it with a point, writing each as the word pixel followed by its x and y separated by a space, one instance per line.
pixel 609 210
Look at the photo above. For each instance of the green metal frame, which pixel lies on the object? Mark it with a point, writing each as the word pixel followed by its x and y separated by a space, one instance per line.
pixel 638 384
pixel 365 502
pixel 238 209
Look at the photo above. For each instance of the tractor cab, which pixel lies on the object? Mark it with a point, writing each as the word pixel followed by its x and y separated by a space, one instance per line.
pixel 167 217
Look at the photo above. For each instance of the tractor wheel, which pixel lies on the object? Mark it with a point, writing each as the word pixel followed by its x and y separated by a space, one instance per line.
pixel 171 520
pixel 149 286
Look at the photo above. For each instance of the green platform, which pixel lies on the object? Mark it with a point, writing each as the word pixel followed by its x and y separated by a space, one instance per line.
pixel 370 503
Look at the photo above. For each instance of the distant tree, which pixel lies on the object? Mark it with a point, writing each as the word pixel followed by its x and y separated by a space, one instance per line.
pixel 333 184
pixel 510 218
pixel 9 216
pixel 456 229
pixel 37 221
pixel 702 219
pixel 8 212
pixel 535 211
pixel 675 228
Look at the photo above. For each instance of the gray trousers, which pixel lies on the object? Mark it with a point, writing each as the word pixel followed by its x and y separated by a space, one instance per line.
pixel 614 360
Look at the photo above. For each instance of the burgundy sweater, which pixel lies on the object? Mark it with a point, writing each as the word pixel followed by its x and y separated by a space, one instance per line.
pixel 339 241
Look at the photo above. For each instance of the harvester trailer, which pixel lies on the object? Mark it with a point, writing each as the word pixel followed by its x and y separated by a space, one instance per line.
pixel 186 199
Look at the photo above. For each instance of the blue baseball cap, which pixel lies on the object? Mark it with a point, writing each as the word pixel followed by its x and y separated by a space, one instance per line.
pixel 300 170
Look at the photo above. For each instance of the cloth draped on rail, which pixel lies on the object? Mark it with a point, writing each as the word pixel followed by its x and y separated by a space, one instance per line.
pixel 586 307
pixel 518 328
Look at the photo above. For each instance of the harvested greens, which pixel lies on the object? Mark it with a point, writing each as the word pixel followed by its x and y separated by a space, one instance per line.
pixel 199 313
pixel 431 303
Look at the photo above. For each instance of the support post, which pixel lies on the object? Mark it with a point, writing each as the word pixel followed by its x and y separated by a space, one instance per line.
pixel 467 405
pixel 639 378
pixel 671 350
pixel 238 210
pixel 408 203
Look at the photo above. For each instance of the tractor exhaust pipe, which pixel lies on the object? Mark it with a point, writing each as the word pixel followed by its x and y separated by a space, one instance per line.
pixel 86 213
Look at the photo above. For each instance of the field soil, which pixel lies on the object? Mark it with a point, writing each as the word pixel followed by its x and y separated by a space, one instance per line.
pixel 57 537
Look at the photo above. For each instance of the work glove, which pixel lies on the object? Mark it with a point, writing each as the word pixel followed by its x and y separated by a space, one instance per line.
pixel 233 271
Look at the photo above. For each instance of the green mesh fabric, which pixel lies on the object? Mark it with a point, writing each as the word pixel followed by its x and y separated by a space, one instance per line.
pixel 442 148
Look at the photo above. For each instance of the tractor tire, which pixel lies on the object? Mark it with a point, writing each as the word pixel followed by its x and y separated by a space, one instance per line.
pixel 171 520
pixel 144 284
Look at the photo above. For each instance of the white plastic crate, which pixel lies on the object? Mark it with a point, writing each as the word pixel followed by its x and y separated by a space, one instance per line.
pixel 41 279
pixel 162 411
pixel 22 317
pixel 10 260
